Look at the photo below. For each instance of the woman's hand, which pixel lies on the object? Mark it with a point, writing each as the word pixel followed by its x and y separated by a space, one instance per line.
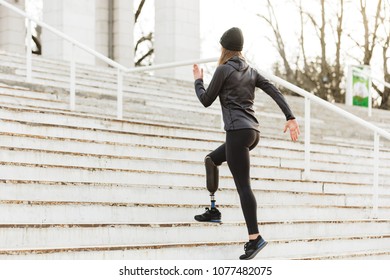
pixel 198 73
pixel 293 126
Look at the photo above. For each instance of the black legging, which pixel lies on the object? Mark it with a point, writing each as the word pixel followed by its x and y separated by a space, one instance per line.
pixel 236 152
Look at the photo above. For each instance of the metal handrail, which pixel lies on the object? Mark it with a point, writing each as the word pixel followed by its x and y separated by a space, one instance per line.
pixel 326 104
pixel 171 65
pixel 308 96
pixel 311 97
pixel 64 36
pixel 74 43
pixel 121 70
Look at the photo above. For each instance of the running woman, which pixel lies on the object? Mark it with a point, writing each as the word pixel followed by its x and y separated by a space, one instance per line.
pixel 234 82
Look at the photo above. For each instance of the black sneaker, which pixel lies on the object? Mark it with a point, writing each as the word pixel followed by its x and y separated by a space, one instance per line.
pixel 253 247
pixel 211 215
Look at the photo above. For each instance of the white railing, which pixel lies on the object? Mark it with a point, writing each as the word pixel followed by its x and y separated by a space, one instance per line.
pixel 121 70
pixel 74 44
pixel 376 130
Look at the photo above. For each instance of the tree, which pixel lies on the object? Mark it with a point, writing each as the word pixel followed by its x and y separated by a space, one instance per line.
pixel 338 73
pixel 384 43
pixel 280 46
pixel 144 50
pixel 370 36
pixel 315 73
pixel 37 40
pixel 376 34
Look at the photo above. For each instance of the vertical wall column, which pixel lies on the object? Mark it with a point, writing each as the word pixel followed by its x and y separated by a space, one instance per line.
pixel 177 35
pixel 123 29
pixel 12 29
pixel 102 30
pixel 93 24
pixel 76 19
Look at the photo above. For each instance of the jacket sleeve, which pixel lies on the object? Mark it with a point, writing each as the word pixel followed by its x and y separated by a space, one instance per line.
pixel 208 96
pixel 276 95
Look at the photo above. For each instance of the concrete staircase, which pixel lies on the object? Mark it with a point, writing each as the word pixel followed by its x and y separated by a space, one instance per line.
pixel 83 185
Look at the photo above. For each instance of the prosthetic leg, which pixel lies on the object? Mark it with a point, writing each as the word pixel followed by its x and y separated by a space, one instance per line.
pixel 212 174
pixel 212 178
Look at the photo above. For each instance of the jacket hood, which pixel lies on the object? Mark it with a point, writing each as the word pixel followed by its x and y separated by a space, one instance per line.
pixel 238 63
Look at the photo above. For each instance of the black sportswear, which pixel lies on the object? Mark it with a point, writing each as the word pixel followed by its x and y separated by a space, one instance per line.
pixel 236 152
pixel 235 82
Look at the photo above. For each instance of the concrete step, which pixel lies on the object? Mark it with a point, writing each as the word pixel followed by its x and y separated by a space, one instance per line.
pixel 128 136
pixel 134 110
pixel 137 110
pixel 320 131
pixel 133 193
pixel 190 85
pixel 108 176
pixel 104 95
pixel 85 122
pixel 64 173
pixel 101 86
pixel 347 127
pixel 32 102
pixel 32 236
pixel 262 155
pixel 276 249
pixel 103 212
pixel 372 255
pixel 47 66
pixel 76 155
pixel 101 163
pixel 113 81
pixel 336 174
pixel 140 80
pixel 28 93
pixel 93 73
pixel 165 170
pixel 152 99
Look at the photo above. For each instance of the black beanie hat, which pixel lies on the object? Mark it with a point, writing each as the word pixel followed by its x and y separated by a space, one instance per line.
pixel 232 39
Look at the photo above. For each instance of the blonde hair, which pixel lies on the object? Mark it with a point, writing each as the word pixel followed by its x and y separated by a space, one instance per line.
pixel 227 54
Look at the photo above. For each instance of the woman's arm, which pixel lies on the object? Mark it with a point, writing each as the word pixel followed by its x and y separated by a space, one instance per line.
pixel 207 97
pixel 278 97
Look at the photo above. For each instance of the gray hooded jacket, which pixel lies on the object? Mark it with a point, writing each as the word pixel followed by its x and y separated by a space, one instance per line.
pixel 235 82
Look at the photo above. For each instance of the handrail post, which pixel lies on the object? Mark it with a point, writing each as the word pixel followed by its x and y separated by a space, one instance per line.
pixel 28 52
pixel 375 187
pixel 307 139
pixel 369 97
pixel 119 94
pixel 72 79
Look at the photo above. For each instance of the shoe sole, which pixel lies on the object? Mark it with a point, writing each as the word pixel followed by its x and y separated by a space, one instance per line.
pixel 211 221
pixel 257 251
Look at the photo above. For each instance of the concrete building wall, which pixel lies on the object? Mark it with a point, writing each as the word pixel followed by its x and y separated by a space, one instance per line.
pixel 177 35
pixel 76 19
pixel 12 29
pixel 102 30
pixel 87 21
pixel 123 27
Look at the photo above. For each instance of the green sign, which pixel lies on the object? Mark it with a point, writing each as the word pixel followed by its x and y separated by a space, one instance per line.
pixel 361 86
